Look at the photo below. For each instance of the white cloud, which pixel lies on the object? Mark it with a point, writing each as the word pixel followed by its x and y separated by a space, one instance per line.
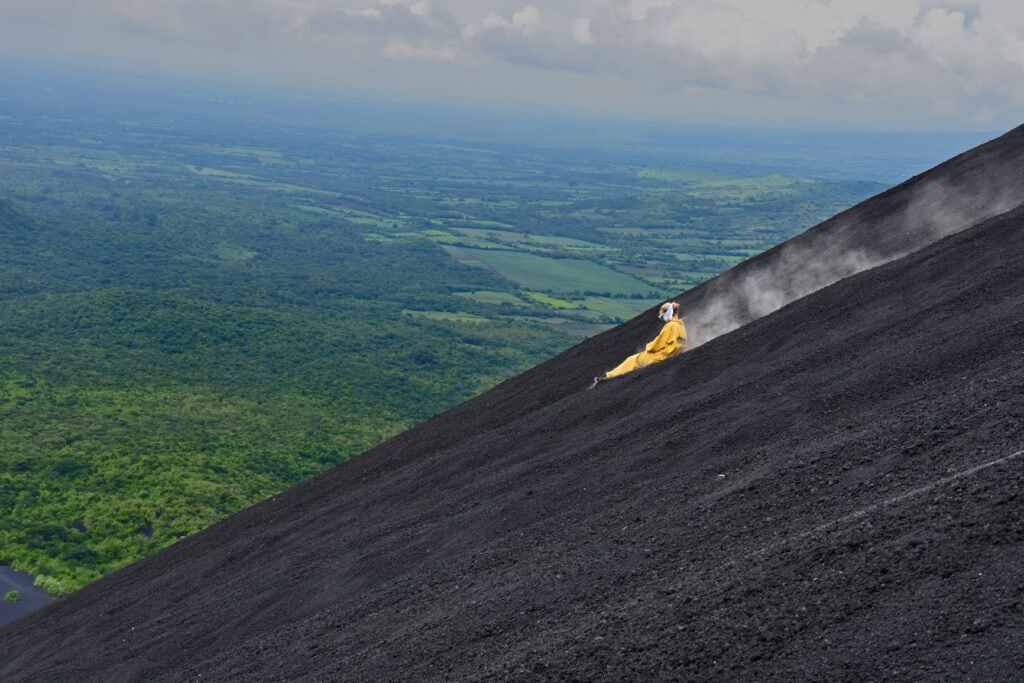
pixel 526 18
pixel 955 61
pixel 524 21
pixel 637 10
pixel 581 31
pixel 495 21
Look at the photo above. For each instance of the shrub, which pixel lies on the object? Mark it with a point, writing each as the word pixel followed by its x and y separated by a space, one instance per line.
pixel 12 596
pixel 49 584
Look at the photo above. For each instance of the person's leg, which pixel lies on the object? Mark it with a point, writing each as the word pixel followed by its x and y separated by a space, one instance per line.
pixel 634 362
pixel 628 365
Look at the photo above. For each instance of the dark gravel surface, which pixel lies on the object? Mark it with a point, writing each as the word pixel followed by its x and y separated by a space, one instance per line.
pixel 831 492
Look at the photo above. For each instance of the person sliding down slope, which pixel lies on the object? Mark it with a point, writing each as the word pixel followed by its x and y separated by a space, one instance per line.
pixel 669 342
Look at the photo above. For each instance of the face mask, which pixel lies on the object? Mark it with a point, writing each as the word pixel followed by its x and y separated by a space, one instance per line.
pixel 666 315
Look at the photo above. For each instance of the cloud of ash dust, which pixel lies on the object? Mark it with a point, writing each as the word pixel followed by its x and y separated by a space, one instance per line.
pixel 820 258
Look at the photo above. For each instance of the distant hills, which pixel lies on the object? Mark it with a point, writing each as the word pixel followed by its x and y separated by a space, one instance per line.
pixel 830 491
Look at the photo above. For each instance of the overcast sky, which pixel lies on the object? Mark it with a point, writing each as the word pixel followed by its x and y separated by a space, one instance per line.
pixel 863 64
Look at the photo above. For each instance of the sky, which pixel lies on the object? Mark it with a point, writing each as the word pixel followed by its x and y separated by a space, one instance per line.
pixel 897 65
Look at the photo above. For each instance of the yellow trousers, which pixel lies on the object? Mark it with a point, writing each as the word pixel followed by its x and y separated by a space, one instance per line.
pixel 634 362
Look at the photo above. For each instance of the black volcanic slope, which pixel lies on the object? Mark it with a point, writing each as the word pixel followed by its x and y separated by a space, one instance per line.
pixel 830 492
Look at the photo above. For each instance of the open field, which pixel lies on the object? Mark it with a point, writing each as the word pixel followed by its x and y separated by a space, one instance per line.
pixel 541 273
pixel 494 298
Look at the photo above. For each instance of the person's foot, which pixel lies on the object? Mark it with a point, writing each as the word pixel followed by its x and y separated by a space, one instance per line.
pixel 597 380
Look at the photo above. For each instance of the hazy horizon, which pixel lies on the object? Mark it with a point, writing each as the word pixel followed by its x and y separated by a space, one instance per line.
pixel 911 65
pixel 883 156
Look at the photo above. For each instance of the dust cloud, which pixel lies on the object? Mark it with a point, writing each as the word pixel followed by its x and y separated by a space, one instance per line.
pixel 840 249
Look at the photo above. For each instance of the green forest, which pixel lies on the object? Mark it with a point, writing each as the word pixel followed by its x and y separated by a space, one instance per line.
pixel 204 304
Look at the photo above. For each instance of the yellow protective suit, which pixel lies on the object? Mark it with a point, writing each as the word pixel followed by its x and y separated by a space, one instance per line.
pixel 669 342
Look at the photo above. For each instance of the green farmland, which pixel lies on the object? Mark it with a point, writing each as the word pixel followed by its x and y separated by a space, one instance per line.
pixel 544 274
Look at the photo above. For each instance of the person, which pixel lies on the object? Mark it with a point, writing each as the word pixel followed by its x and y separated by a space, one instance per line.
pixel 669 342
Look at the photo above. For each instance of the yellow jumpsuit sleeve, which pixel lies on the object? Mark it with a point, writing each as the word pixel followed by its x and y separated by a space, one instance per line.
pixel 670 341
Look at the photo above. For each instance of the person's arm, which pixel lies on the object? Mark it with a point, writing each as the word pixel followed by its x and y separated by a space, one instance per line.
pixel 664 338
